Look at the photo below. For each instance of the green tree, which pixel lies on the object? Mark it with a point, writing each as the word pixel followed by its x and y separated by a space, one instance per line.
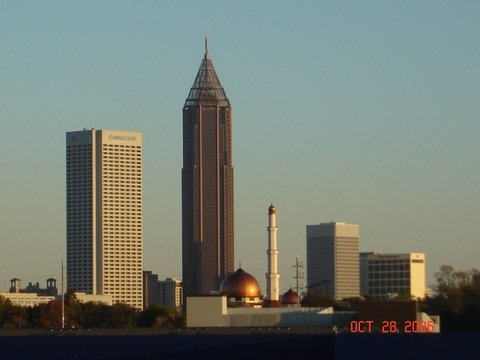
pixel 456 300
pixel 123 315
pixel 12 315
pixel 155 315
pixel 93 314
pixel 50 315
pixel 314 299
pixel 5 305
pixel 73 309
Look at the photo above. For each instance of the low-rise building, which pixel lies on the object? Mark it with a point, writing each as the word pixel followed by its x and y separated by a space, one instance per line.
pixel 84 298
pixel 387 276
pixel 26 299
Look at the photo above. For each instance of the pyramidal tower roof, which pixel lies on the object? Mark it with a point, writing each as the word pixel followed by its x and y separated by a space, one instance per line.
pixel 207 88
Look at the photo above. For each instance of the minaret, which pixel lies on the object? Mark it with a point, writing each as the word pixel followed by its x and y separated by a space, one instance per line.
pixel 273 277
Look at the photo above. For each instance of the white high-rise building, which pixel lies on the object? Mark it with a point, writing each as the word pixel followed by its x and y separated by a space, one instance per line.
pixel 391 275
pixel 104 214
pixel 333 266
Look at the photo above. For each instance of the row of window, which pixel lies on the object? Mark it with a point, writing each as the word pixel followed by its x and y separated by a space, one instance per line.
pixel 110 157
pixel 122 146
pixel 396 267
pixel 384 283
pixel 390 275
pixel 389 261
pixel 385 291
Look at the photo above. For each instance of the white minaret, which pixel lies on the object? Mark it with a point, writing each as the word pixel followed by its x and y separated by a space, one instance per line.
pixel 273 277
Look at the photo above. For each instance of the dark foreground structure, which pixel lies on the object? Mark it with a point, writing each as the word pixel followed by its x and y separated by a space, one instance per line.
pixel 242 346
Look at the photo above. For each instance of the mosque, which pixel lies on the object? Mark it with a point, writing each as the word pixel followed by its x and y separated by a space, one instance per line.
pixel 239 301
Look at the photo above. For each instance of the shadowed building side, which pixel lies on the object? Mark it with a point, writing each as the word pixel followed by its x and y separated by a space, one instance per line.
pixel 207 184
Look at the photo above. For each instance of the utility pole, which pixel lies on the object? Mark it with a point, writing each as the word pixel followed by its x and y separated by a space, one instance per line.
pixel 298 275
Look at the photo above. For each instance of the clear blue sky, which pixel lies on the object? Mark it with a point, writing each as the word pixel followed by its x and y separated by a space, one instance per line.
pixel 359 111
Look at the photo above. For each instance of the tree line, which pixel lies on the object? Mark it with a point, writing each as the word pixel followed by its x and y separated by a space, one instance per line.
pixel 456 299
pixel 85 315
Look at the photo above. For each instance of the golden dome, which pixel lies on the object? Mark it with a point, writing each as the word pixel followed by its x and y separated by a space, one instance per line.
pixel 240 284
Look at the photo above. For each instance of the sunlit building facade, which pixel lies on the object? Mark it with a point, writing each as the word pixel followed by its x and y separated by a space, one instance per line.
pixel 104 214
pixel 333 259
pixel 387 276
pixel 207 184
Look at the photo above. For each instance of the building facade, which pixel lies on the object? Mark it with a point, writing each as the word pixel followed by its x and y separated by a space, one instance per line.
pixel 104 214
pixel 167 293
pixel 151 289
pixel 333 259
pixel 26 299
pixel 49 290
pixel 387 276
pixel 207 184
pixel 171 293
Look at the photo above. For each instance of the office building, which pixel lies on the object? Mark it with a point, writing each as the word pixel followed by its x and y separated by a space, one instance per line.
pixel 207 184
pixel 387 276
pixel 151 289
pixel 167 293
pixel 104 214
pixel 333 259
pixel 171 293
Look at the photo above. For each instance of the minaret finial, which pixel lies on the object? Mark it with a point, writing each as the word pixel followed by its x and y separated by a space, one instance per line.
pixel 206 47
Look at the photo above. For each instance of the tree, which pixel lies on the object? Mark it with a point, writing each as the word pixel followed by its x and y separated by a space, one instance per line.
pixel 123 315
pixel 94 314
pixel 73 309
pixel 50 315
pixel 12 315
pixel 156 315
pixel 457 300
pixel 314 299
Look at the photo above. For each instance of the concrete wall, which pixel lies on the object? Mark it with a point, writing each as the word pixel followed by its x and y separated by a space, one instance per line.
pixel 207 311
pixel 212 311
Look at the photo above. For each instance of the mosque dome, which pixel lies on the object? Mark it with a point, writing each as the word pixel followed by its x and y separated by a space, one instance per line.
pixel 239 285
pixel 290 298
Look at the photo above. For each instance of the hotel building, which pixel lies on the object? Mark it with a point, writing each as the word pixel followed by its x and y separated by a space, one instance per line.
pixel 104 214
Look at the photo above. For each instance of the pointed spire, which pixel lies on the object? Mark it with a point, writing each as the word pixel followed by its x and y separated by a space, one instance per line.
pixel 206 48
pixel 206 88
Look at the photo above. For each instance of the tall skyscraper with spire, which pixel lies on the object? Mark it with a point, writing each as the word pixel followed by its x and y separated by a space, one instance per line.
pixel 207 184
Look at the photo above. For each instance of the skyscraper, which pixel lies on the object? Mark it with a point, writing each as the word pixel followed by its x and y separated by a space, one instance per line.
pixel 104 214
pixel 333 263
pixel 207 184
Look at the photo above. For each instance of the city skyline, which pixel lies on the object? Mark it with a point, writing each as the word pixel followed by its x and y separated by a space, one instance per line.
pixel 363 113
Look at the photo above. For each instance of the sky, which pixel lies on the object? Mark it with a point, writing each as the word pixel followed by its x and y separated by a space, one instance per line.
pixel 365 112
